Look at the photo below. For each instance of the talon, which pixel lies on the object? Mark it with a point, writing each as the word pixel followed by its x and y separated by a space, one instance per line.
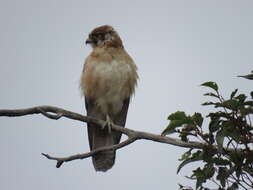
pixel 108 123
pixel 103 126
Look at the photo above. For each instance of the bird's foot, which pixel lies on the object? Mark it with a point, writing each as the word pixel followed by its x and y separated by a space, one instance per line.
pixel 108 123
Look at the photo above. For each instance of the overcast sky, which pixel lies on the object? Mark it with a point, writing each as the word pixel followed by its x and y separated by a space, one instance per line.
pixel 176 45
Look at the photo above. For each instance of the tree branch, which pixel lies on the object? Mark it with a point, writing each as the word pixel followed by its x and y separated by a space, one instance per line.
pixel 133 135
pixel 60 161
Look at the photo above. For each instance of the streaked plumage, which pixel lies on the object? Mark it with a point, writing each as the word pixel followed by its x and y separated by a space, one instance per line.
pixel 108 81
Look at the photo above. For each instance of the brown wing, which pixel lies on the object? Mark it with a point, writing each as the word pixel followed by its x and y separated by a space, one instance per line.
pixel 89 104
pixel 120 119
pixel 99 138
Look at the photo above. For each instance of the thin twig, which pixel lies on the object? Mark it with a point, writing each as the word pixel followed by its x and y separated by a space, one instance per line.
pixel 238 182
pixel 60 161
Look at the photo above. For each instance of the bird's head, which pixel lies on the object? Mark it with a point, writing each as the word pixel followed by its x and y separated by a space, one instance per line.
pixel 104 35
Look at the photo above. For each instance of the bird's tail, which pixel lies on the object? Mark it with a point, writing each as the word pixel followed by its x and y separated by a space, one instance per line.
pixel 102 161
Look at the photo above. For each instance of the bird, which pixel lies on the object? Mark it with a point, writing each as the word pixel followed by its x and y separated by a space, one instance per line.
pixel 108 82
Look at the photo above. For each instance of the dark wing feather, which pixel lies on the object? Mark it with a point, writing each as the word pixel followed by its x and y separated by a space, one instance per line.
pixel 95 131
pixel 120 119
pixel 100 138
pixel 89 104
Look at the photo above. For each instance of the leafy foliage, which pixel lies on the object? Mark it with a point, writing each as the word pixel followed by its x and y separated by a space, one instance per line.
pixel 227 158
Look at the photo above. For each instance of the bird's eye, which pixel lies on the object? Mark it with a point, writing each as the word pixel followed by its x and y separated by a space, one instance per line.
pixel 98 35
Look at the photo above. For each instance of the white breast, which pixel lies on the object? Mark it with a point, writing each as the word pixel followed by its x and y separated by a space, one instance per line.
pixel 114 75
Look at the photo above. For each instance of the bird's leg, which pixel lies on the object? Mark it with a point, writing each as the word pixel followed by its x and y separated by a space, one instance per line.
pixel 108 123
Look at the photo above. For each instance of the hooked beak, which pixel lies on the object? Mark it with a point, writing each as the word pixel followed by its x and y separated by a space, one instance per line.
pixel 88 41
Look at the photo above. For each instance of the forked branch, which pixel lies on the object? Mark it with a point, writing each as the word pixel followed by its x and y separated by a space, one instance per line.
pixel 57 113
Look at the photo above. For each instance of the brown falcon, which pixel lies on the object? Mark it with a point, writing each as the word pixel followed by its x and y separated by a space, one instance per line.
pixel 108 81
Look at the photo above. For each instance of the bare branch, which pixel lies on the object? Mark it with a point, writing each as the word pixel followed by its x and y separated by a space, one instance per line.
pixel 49 115
pixel 46 110
pixel 133 135
pixel 60 161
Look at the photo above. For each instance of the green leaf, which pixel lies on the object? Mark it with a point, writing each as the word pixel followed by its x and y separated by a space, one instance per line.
pixel 195 157
pixel 241 98
pixel 183 137
pixel 177 119
pixel 234 186
pixel 248 103
pixel 179 115
pixel 218 115
pixel 172 126
pixel 246 111
pixel 211 84
pixel 222 175
pixel 180 186
pixel 186 155
pixel 208 103
pixel 209 170
pixel 221 162
pixel 238 172
pixel 198 119
pixel 211 94
pixel 214 125
pixel 220 140
pixel 250 76
pixel 230 104
pixel 200 177
pixel 233 93
pixel 237 158
pixel 229 130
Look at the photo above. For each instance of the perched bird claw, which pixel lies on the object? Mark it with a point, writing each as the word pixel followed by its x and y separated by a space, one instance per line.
pixel 108 123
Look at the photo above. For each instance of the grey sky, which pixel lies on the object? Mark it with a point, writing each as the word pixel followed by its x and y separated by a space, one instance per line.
pixel 177 45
